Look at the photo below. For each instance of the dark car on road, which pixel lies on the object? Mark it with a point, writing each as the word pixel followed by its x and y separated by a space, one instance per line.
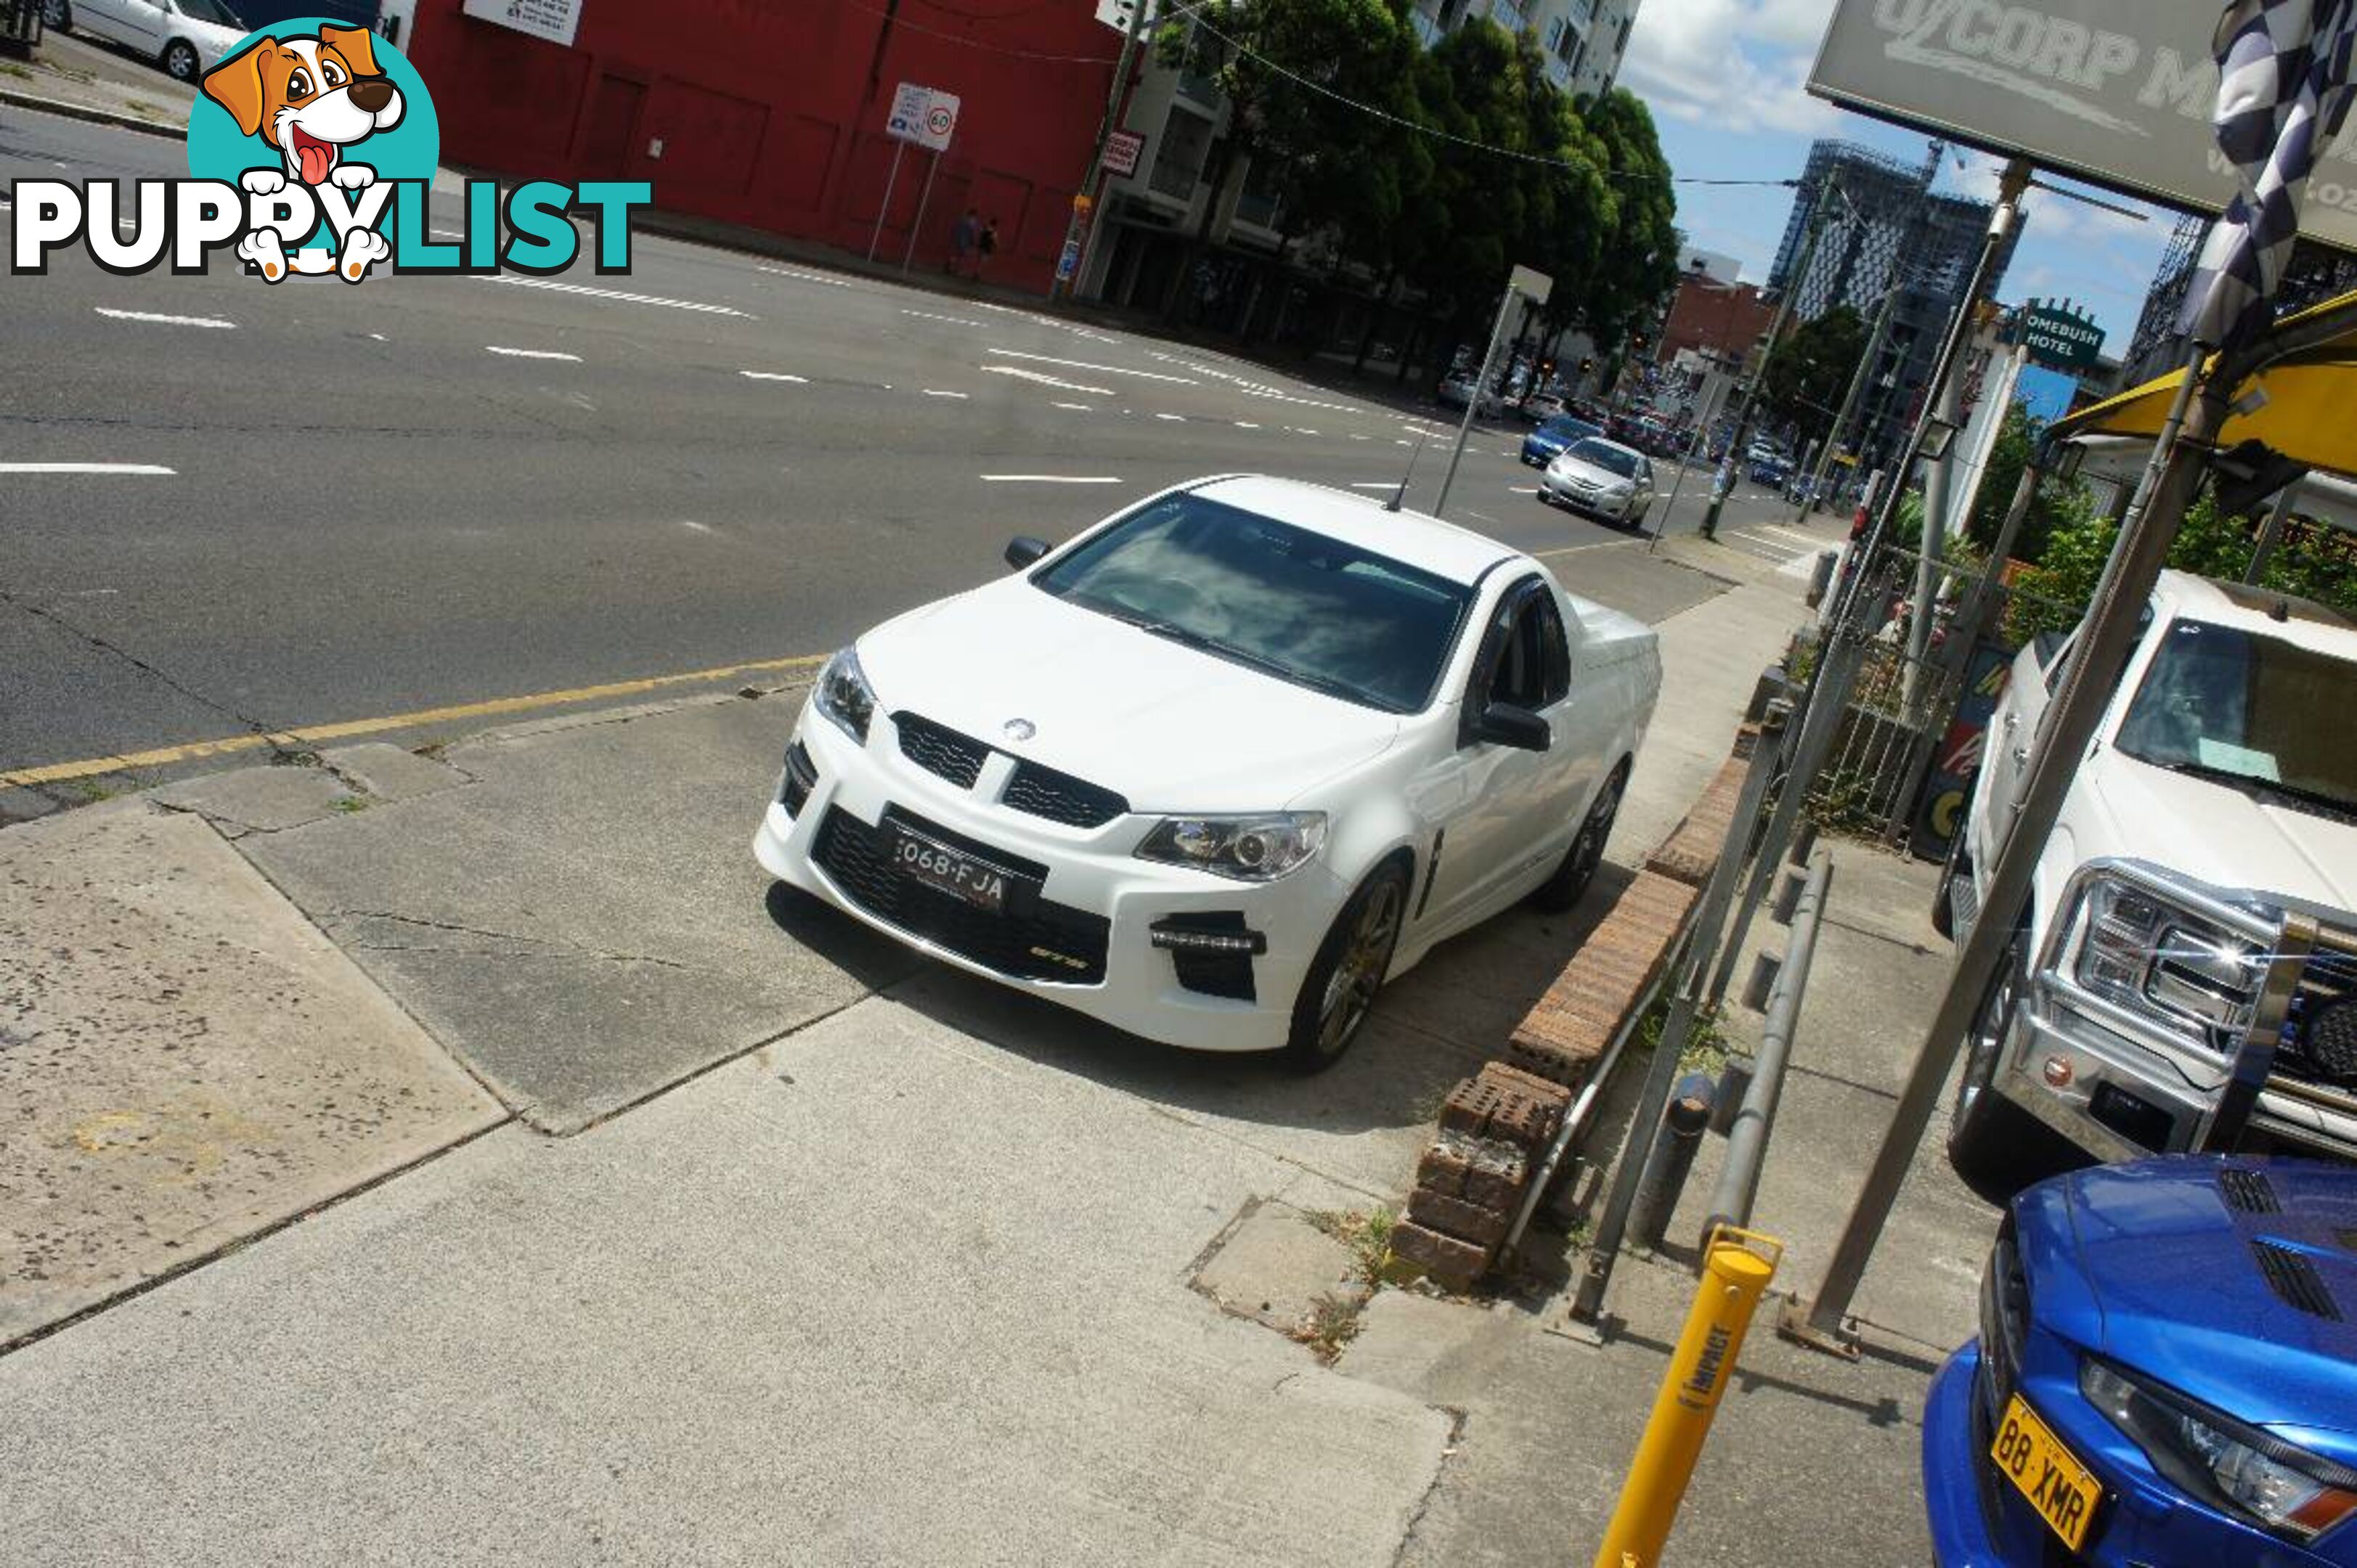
pixel 1540 446
pixel 2165 1374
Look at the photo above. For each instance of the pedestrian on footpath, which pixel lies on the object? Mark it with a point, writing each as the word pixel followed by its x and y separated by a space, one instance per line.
pixel 961 242
pixel 985 245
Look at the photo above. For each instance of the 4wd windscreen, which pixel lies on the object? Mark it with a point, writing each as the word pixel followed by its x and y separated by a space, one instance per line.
pixel 2244 708
pixel 1292 603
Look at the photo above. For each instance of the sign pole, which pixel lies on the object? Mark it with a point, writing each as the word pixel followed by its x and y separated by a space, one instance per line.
pixel 876 235
pixel 1065 284
pixel 916 228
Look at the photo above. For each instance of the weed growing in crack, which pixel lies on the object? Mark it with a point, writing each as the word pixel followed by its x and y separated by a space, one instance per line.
pixel 1332 1323
pixel 1368 1236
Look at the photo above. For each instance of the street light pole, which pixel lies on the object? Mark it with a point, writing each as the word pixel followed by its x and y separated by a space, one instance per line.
pixel 1866 367
pixel 1827 184
pixel 1066 282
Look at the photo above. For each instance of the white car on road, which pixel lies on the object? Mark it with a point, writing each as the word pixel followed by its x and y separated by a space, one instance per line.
pixel 1602 479
pixel 187 38
pixel 1216 769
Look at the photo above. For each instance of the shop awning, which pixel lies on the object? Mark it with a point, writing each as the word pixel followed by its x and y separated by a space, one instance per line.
pixel 2311 415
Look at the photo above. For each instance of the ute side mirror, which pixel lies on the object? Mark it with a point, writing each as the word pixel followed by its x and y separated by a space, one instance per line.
pixel 1022 550
pixel 1503 724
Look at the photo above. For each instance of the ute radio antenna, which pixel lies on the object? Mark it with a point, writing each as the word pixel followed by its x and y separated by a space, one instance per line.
pixel 1400 494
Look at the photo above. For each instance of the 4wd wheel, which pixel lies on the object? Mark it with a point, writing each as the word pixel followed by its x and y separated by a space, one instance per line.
pixel 1339 990
pixel 180 59
pixel 1996 1147
pixel 1569 886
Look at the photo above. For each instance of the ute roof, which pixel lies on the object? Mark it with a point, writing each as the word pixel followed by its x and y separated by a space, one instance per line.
pixel 1412 538
pixel 2215 600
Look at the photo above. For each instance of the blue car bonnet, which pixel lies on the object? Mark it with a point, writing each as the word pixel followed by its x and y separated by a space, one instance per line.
pixel 2233 1280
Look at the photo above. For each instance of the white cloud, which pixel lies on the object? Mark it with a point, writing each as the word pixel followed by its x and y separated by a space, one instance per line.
pixel 1739 66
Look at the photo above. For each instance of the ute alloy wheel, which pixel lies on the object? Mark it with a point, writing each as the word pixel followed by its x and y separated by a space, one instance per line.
pixel 1995 1146
pixel 1572 878
pixel 1339 990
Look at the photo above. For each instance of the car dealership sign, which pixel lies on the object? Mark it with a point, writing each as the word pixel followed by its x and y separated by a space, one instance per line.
pixel 2117 91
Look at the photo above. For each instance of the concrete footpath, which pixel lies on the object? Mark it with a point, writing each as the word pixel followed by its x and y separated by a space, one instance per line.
pixel 749 1238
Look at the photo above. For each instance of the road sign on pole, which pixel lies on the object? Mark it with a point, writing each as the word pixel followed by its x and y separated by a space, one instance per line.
pixel 1123 149
pixel 925 116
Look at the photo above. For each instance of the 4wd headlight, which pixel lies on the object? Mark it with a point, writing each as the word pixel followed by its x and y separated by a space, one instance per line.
pixel 844 695
pixel 2284 1490
pixel 2143 953
pixel 1249 849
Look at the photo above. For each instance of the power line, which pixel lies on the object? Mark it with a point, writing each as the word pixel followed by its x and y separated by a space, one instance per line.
pixel 961 39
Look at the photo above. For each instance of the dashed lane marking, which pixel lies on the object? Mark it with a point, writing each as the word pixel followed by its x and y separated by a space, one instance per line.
pixel 936 392
pixel 774 376
pixel 623 297
pixel 1051 480
pixel 1173 418
pixel 1076 407
pixel 1045 379
pixel 530 353
pixel 148 468
pixel 953 320
pixel 214 321
pixel 1086 365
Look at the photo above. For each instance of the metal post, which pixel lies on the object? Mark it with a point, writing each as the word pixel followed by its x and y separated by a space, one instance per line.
pixel 2271 534
pixel 1747 1139
pixel 1684 1121
pixel 1826 188
pixel 2070 722
pixel 1661 1075
pixel 890 179
pixel 1734 1277
pixel 1473 401
pixel 1938 484
pixel 1060 287
pixel 1866 367
pixel 917 227
pixel 1699 438
pixel 2010 185
pixel 1838 658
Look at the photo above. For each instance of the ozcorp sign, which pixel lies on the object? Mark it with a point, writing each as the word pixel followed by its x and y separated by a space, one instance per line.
pixel 2117 91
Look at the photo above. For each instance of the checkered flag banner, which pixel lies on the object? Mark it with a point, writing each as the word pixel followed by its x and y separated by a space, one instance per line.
pixel 2283 89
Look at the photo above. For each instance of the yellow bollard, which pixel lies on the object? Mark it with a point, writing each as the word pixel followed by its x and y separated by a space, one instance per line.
pixel 1737 1267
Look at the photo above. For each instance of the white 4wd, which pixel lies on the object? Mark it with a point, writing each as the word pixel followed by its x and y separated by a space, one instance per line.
pixel 2197 891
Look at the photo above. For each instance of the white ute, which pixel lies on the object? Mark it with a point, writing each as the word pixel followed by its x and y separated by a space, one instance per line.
pixel 1215 769
pixel 2197 891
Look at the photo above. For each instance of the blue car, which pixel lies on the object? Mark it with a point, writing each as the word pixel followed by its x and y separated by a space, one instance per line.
pixel 2165 1374
pixel 1542 446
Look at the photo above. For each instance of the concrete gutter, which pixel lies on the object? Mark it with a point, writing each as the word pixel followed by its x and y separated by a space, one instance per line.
pixel 92 113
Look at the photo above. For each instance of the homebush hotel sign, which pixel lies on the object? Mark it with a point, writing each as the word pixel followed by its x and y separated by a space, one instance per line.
pixel 2117 91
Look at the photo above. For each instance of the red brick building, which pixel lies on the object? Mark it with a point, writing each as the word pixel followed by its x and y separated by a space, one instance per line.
pixel 771 112
pixel 1723 321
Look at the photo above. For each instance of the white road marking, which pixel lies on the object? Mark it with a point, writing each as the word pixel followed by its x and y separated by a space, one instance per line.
pixel 1809 539
pixel 936 392
pixel 1357 437
pixel 530 353
pixel 1174 418
pixel 163 320
pixel 1783 551
pixel 1575 549
pixel 953 320
pixel 1246 424
pixel 1305 433
pixel 1524 490
pixel 808 277
pixel 1374 484
pixel 1085 365
pixel 1045 381
pixel 1051 480
pixel 378 336
pixel 84 468
pixel 1402 441
pixel 615 294
pixel 689 522
pixel 1077 407
pixel 774 376
pixel 447 234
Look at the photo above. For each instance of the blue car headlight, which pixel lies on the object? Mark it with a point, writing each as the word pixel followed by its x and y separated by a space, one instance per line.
pixel 2284 1490
pixel 843 695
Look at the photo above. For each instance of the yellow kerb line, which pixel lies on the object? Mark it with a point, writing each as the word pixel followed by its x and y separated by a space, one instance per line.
pixel 311 735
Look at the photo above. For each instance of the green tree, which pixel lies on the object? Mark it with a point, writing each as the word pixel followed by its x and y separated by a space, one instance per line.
pixel 1637 268
pixel 1806 374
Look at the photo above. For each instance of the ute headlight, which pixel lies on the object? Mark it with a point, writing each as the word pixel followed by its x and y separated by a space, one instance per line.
pixel 843 695
pixel 2143 953
pixel 1249 849
pixel 2284 1490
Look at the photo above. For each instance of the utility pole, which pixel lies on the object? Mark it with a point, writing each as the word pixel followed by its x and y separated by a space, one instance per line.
pixel 1827 186
pixel 1866 366
pixel 1082 217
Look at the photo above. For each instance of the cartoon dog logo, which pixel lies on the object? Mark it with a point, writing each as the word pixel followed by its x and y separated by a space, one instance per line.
pixel 309 98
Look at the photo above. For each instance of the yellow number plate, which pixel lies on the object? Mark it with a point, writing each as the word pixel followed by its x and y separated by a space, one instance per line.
pixel 2063 1491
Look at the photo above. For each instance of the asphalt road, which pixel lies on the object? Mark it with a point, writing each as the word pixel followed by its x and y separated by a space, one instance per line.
pixel 423 492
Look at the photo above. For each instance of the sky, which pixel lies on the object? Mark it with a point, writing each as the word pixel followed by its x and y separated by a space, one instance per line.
pixel 1726 80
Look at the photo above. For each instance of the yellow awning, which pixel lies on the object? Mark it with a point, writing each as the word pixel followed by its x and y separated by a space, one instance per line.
pixel 2310 415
